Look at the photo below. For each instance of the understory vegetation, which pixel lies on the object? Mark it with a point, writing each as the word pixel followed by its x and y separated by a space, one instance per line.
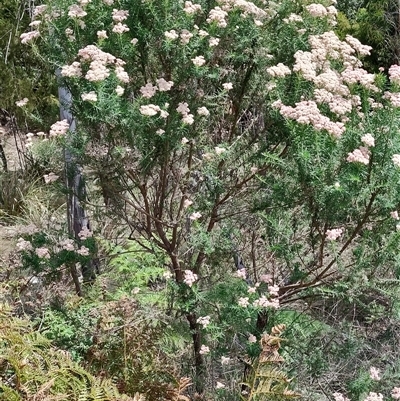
pixel 199 200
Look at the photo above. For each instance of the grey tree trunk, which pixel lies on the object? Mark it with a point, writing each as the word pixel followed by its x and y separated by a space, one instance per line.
pixel 77 218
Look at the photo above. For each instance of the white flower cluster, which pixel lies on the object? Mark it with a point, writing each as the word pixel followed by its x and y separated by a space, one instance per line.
pixel 29 36
pixel 248 8
pixel 219 16
pixel 70 34
pixel 121 74
pixel 59 128
pixel 334 234
pixel 227 86
pixel 191 8
pixel 163 85
pixel 22 102
pixel 252 339
pixel 317 10
pixel 204 350
pixel 374 397
pixel 67 244
pixel 76 11
pixel 375 373
pixel 279 70
pixel 183 109
pixel 243 302
pixel 73 70
pixel 360 155
pixel 118 17
pixel 213 42
pixel 89 97
pixel 331 86
pixel 340 397
pixel 394 74
pixel 85 233
pixel 396 393
pixel 152 110
pixel 149 109
pixel 293 18
pixel 149 90
pixel 23 245
pixel 98 70
pixel 225 360
pixel 195 216
pixel 83 251
pixel 43 253
pixel 307 112
pixel 241 273
pixel 120 28
pixel 39 10
pixel 198 61
pixel 185 36
pixel 172 34
pixel 51 177
pixel 203 111
pixel 368 140
pixel 396 160
pixel 190 277
pixel 204 321
pixel 264 302
pixel 102 35
pixel 394 98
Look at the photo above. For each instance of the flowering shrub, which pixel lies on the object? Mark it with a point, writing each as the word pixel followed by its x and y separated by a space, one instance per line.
pixel 48 256
pixel 234 152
